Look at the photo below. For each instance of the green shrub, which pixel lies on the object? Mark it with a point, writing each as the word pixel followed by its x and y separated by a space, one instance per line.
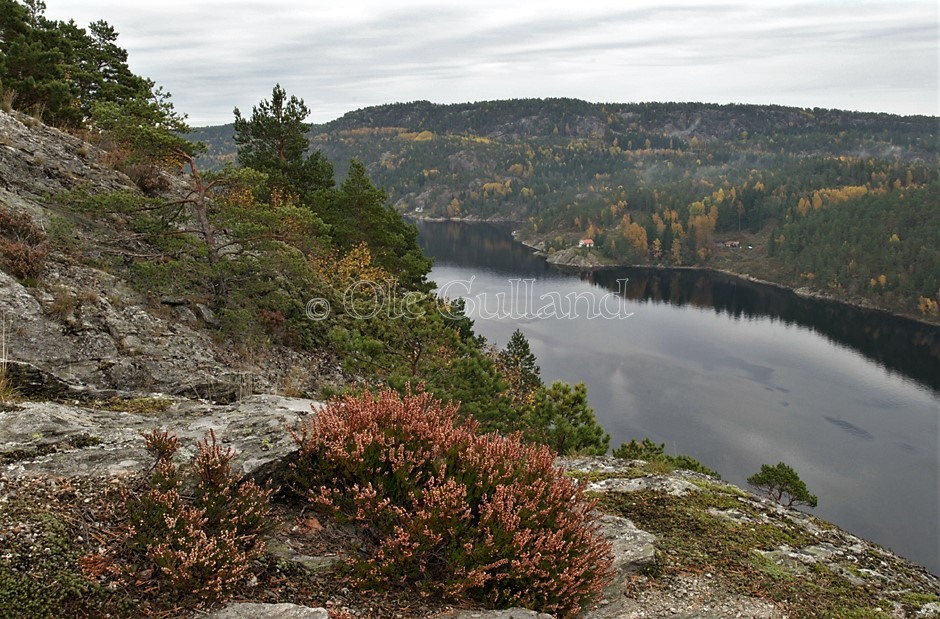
pixel 560 417
pixel 453 511
pixel 198 540
pixel 656 454
pixel 62 233
pixel 647 450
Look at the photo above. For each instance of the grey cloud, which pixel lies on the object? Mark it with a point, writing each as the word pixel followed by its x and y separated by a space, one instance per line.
pixel 877 55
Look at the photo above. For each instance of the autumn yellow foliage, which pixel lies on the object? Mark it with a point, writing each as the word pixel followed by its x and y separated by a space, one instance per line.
pixel 928 307
pixel 636 235
pixel 422 136
pixel 830 197
pixel 496 188
pixel 356 265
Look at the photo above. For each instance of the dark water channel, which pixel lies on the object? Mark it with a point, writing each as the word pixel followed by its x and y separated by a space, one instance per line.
pixel 732 373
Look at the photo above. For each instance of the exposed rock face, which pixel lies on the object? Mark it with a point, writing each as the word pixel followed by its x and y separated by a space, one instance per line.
pixel 246 610
pixel 46 438
pixel 93 330
pixel 37 161
pixel 82 324
pixel 530 126
pixel 31 382
pixel 464 160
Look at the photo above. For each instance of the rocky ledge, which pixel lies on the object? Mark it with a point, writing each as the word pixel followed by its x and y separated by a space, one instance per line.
pixel 685 544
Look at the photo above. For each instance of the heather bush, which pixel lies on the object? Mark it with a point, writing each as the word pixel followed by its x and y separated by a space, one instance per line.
pixel 458 513
pixel 199 532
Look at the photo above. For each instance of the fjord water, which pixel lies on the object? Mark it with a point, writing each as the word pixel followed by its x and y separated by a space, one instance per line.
pixel 732 373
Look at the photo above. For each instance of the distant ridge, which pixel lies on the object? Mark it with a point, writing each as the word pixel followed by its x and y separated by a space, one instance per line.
pixel 670 183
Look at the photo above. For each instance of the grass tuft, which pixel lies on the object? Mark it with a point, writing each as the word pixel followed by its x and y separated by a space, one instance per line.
pixel 7 97
pixel 8 393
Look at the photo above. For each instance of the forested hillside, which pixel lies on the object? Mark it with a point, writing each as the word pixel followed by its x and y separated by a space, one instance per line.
pixel 750 188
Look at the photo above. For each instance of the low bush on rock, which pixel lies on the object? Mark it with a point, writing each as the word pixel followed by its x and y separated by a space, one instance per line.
pixel 455 512
pixel 656 453
pixel 199 534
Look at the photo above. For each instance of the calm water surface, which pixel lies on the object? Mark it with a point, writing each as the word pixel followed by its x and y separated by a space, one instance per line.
pixel 731 373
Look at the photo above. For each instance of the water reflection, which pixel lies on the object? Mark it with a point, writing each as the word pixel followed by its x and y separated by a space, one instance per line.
pixel 738 374
pixel 483 246
pixel 906 346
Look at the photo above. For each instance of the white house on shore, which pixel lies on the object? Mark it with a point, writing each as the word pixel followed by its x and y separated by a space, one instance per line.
pixel 586 243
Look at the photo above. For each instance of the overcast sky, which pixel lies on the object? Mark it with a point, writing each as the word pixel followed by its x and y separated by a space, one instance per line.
pixel 878 55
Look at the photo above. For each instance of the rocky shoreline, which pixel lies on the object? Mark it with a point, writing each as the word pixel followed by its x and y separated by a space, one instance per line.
pixel 581 260
pixel 495 219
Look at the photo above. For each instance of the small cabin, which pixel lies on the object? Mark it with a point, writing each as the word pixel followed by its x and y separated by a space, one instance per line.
pixel 586 243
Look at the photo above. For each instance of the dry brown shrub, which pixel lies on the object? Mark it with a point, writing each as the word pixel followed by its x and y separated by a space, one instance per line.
pixel 24 247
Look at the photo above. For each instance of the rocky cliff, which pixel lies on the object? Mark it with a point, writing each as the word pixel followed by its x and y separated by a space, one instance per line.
pixel 93 363
pixel 84 325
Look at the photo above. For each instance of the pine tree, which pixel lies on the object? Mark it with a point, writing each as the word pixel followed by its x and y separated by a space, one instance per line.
pixel 561 418
pixel 360 212
pixel 274 141
pixel 518 365
pixel 783 485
